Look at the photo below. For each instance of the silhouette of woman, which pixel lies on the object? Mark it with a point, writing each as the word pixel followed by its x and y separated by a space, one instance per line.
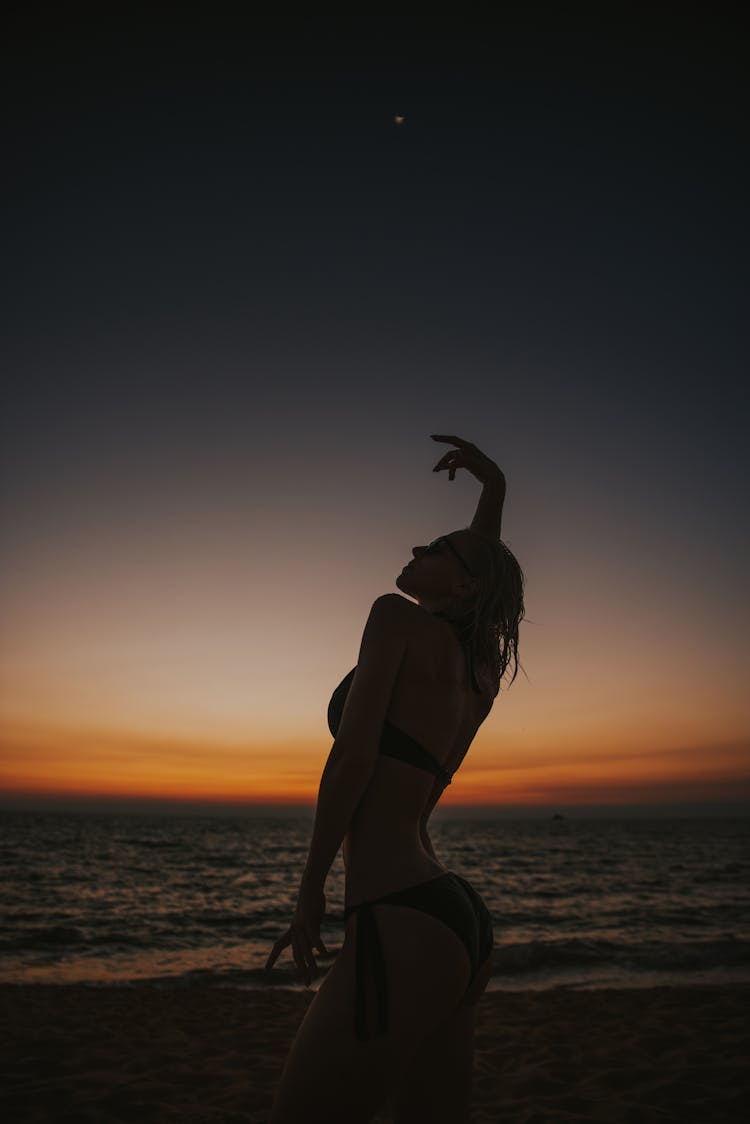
pixel 394 1016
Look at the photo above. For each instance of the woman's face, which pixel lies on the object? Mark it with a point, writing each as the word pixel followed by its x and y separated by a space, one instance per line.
pixel 436 573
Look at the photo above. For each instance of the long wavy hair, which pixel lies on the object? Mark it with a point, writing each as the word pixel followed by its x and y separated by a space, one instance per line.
pixel 488 624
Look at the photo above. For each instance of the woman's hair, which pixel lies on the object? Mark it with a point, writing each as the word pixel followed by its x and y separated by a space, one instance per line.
pixel 488 628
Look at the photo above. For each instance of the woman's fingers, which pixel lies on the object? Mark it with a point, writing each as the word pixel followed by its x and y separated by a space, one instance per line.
pixel 452 454
pixel 467 456
pixel 301 950
pixel 303 955
pixel 308 952
pixel 452 439
pixel 451 461
pixel 278 948
pixel 297 953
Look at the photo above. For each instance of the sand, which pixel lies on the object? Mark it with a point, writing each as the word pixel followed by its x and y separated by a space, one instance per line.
pixel 78 1055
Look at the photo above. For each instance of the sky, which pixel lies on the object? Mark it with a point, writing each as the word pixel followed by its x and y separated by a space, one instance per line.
pixel 243 296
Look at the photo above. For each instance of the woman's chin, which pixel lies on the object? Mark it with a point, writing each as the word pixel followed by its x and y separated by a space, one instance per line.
pixel 402 581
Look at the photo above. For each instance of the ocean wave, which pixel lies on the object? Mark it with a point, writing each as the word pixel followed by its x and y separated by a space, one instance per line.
pixel 49 936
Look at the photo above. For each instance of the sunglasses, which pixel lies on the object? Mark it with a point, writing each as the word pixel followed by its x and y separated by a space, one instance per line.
pixel 434 546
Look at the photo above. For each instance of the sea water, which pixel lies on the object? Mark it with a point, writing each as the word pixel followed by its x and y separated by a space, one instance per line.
pixel 123 898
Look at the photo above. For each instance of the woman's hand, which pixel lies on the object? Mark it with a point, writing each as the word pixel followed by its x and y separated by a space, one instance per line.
pixel 468 456
pixel 304 933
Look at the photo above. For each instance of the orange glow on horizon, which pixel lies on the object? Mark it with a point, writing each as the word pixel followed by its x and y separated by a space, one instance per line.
pixel 49 762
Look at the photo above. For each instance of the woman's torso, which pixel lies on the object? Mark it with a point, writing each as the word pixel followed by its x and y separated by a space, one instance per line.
pixel 434 703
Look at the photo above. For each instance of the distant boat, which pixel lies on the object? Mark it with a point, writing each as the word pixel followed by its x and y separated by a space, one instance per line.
pixel 558 816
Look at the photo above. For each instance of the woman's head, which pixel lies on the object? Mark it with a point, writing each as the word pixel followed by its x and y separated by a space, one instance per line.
pixel 476 583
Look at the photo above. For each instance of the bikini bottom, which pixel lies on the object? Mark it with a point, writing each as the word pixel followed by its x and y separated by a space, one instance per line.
pixel 451 899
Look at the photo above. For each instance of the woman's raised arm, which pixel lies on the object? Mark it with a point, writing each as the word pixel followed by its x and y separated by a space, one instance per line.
pixel 488 517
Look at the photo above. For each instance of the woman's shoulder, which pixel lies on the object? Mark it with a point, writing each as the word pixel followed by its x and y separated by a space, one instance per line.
pixel 400 609
pixel 432 640
pixel 398 615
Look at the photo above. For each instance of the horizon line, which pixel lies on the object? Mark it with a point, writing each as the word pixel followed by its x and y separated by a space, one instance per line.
pixel 306 810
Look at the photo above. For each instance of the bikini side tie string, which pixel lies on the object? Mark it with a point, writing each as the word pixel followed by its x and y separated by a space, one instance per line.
pixel 368 947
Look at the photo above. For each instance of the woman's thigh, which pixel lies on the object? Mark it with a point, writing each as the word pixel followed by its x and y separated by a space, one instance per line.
pixel 329 1074
pixel 437 1088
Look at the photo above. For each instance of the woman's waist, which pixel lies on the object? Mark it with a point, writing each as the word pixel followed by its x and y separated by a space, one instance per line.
pixel 372 875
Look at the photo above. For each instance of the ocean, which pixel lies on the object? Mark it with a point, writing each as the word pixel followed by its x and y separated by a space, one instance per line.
pixel 118 899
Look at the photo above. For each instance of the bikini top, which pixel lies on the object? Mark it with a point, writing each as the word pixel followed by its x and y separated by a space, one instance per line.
pixel 393 742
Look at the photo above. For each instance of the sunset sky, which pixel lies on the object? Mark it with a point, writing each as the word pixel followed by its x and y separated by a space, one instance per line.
pixel 242 298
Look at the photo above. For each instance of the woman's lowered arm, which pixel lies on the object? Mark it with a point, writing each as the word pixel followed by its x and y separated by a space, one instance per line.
pixel 354 754
pixel 343 784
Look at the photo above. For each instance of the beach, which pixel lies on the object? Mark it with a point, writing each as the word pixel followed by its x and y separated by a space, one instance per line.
pixel 73 1054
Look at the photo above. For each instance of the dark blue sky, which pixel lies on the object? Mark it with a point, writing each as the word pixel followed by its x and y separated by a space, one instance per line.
pixel 571 202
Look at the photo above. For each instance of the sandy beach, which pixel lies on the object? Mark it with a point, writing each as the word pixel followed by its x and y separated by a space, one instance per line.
pixel 79 1055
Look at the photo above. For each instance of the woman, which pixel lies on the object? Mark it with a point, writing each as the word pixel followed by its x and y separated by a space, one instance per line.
pixel 394 1016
